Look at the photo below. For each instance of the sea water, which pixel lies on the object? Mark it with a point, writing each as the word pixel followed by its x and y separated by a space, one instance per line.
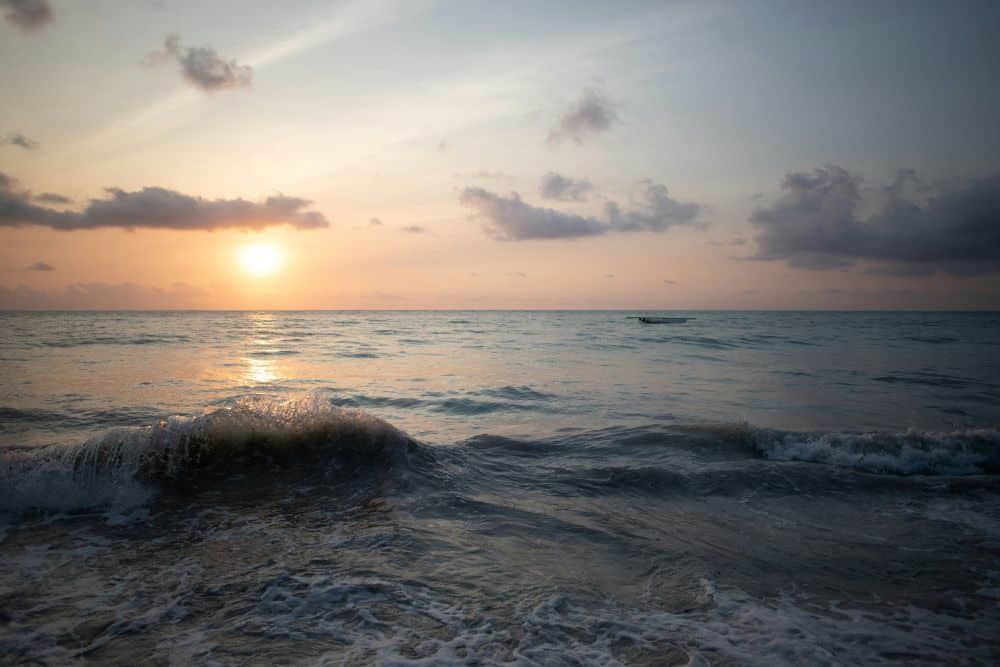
pixel 550 488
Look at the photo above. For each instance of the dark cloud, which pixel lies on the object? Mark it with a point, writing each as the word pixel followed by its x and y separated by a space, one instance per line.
pixel 591 114
pixel 827 220
pixel 510 219
pixel 669 282
pixel 413 229
pixel 28 14
pixel 52 198
pixel 202 67
pixel 157 208
pixel 564 188
pixel 20 141
pixel 609 276
pixel 375 222
pixel 40 266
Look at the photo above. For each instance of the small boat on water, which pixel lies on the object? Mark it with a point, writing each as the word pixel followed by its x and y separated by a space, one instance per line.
pixel 663 320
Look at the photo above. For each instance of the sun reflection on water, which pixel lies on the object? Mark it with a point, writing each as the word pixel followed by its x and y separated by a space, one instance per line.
pixel 260 371
pixel 261 339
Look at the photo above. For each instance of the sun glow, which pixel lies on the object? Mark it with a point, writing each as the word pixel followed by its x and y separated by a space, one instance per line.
pixel 260 260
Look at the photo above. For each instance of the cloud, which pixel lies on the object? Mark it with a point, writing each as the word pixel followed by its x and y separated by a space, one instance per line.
pixel 28 14
pixel 413 229
pixel 375 222
pixel 827 220
pixel 202 67
pixel 103 296
pixel 52 198
pixel 157 208
pixel 517 274
pixel 40 266
pixel 609 276
pixel 20 141
pixel 738 241
pixel 510 219
pixel 563 188
pixel 591 114
pixel 669 282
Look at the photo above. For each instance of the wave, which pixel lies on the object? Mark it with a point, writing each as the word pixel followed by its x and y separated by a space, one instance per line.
pixel 146 339
pixel 514 399
pixel 126 466
pixel 928 379
pixel 320 434
pixel 912 452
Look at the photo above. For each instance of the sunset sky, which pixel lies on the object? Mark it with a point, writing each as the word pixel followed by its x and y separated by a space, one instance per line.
pixel 379 154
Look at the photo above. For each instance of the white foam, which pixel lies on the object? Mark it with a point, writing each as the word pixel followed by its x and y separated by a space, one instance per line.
pixel 964 452
pixel 730 627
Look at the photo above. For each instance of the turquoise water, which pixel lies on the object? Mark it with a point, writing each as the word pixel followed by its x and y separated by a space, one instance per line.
pixel 499 488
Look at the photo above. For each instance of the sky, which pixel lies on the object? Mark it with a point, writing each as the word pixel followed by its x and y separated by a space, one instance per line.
pixel 335 154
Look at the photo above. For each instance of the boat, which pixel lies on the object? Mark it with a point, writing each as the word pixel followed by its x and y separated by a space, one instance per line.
pixel 663 320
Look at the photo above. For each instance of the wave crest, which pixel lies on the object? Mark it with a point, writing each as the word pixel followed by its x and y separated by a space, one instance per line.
pixel 122 467
pixel 912 452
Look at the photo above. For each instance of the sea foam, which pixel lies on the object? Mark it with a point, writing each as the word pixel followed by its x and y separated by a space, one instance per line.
pixel 912 452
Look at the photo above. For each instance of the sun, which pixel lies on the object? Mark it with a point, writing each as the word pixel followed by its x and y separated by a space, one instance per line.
pixel 260 260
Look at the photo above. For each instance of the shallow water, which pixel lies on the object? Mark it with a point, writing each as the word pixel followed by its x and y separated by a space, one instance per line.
pixel 499 488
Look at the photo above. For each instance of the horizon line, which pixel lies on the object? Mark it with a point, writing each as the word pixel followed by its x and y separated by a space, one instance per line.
pixel 497 310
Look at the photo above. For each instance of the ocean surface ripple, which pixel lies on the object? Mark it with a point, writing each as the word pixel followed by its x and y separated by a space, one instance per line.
pixel 499 489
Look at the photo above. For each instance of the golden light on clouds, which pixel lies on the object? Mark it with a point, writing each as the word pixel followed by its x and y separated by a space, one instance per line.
pixel 260 260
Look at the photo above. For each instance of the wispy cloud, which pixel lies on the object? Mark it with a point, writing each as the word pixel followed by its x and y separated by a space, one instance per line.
pixel 346 19
pixel 413 229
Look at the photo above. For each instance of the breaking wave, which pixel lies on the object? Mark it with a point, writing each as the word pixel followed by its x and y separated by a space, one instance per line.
pixel 125 466
pixel 913 452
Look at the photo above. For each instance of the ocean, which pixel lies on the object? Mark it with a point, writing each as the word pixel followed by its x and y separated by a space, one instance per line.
pixel 499 488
